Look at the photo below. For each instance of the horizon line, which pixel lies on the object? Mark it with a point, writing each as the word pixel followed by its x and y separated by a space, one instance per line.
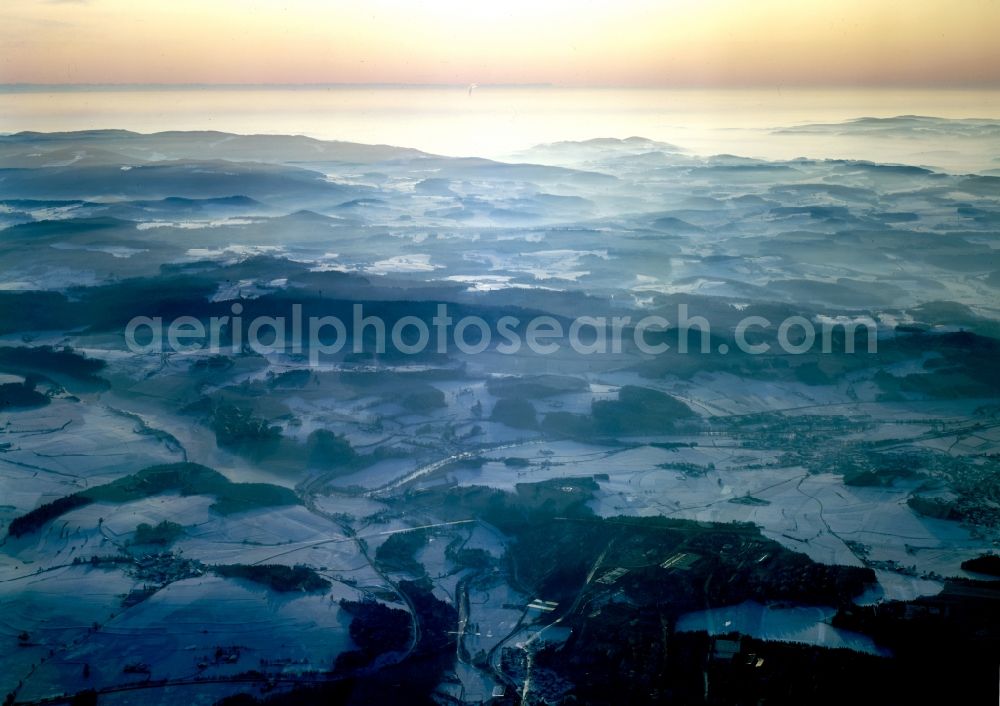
pixel 124 86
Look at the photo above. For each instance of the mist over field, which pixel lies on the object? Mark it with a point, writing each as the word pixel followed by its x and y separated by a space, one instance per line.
pixel 802 485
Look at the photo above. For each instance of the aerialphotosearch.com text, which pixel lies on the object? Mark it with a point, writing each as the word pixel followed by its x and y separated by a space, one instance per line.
pixel 324 336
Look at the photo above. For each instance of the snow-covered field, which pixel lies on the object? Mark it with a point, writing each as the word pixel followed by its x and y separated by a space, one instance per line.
pixel 67 446
pixel 796 624
pixel 182 626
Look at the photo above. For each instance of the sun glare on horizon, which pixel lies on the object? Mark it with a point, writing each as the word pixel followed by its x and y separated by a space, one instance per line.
pixel 632 43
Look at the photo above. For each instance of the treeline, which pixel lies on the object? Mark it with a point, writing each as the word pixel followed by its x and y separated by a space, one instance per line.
pixel 529 504
pixel 62 361
pixel 638 410
pixel 988 564
pixel 23 395
pixel 397 552
pixel 278 577
pixel 163 533
pixel 185 478
pixel 239 429
pixel 375 629
pixel 43 514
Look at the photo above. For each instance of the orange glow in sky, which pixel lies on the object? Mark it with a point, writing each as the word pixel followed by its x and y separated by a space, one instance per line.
pixel 568 42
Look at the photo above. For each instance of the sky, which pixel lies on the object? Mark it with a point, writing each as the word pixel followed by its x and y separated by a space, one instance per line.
pixel 656 43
